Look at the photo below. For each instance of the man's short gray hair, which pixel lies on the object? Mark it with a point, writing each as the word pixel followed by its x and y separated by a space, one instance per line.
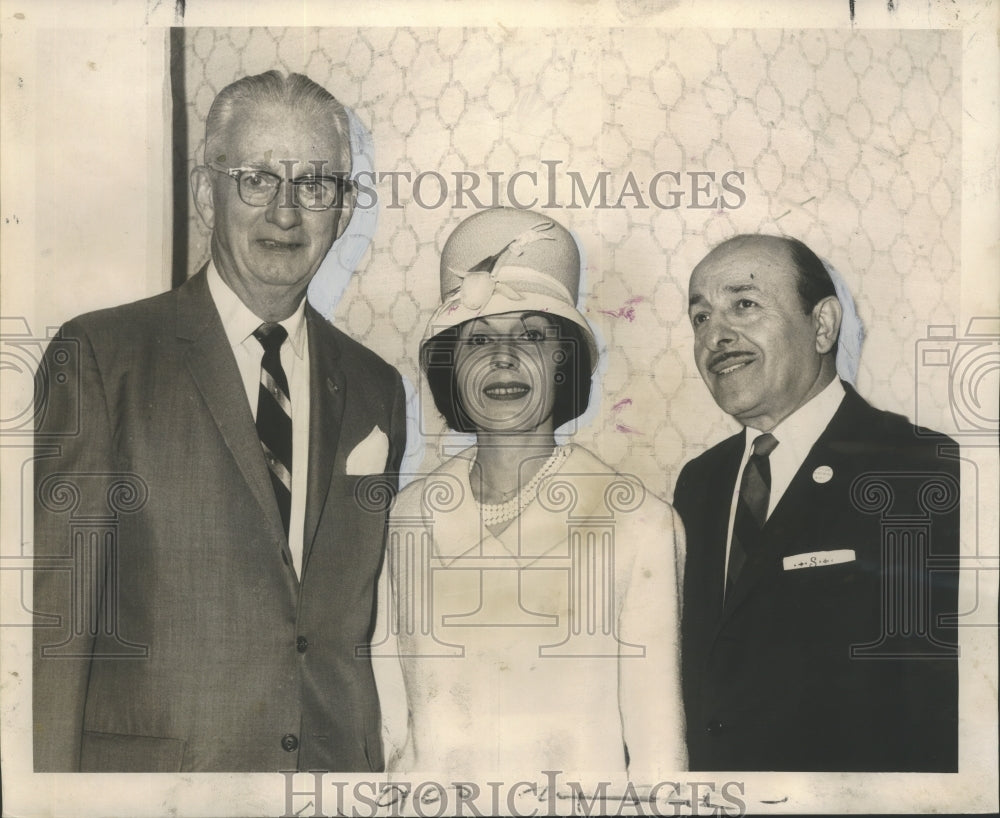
pixel 294 91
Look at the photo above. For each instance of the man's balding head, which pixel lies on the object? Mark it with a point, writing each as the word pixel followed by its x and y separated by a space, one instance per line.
pixel 813 283
pixel 766 319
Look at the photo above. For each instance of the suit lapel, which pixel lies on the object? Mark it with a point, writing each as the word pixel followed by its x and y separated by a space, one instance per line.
pixel 800 511
pixel 213 368
pixel 722 484
pixel 328 393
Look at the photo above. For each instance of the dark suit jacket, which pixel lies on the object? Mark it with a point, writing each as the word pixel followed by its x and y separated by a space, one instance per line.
pixel 770 682
pixel 173 633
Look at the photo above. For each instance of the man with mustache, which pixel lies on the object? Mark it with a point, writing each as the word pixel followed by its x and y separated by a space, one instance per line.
pixel 228 427
pixel 812 637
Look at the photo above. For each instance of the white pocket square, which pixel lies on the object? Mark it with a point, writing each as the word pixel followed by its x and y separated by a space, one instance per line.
pixel 814 559
pixel 370 455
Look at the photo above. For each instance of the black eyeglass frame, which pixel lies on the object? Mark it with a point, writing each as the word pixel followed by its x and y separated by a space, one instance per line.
pixel 343 184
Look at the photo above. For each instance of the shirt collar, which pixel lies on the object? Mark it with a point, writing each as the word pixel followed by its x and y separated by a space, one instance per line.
pixel 239 321
pixel 800 430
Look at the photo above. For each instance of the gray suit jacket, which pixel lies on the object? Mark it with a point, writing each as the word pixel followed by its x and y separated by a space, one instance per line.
pixel 172 632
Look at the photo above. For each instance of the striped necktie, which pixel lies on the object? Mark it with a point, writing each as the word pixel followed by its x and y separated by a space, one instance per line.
pixel 274 417
pixel 751 507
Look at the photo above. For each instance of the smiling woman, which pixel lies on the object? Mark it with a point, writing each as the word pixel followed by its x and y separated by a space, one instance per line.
pixel 506 371
pixel 504 350
pixel 528 561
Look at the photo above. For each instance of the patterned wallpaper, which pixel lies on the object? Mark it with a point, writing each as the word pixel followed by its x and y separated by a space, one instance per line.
pixel 848 140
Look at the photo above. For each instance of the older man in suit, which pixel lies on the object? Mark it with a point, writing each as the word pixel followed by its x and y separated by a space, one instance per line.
pixel 223 432
pixel 821 542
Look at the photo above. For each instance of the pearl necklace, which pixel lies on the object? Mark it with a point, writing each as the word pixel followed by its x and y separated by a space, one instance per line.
pixel 496 513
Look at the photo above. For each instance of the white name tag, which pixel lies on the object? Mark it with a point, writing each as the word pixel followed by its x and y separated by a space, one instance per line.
pixel 817 558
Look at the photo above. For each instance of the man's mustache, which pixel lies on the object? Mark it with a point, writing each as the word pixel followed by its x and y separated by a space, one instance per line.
pixel 720 360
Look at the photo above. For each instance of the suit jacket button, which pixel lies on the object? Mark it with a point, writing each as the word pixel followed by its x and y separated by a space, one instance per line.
pixel 290 742
pixel 301 644
pixel 714 728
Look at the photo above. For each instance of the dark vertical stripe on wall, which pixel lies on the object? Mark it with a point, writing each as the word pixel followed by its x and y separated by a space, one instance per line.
pixel 178 98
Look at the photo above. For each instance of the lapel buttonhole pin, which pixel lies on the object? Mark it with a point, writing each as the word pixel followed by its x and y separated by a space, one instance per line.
pixel 332 386
pixel 823 474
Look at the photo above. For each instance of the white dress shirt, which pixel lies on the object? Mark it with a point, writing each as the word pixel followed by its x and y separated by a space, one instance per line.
pixel 239 323
pixel 796 435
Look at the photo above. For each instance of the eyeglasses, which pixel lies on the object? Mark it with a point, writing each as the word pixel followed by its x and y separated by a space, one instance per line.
pixel 259 187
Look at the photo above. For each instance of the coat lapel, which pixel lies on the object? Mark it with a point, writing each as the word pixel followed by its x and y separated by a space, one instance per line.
pixel 721 485
pixel 458 530
pixel 805 501
pixel 800 510
pixel 213 368
pixel 539 531
pixel 328 394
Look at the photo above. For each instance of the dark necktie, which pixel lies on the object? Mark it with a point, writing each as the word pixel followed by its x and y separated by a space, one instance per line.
pixel 274 417
pixel 751 507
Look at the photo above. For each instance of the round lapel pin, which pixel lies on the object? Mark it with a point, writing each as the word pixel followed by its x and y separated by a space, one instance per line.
pixel 823 474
